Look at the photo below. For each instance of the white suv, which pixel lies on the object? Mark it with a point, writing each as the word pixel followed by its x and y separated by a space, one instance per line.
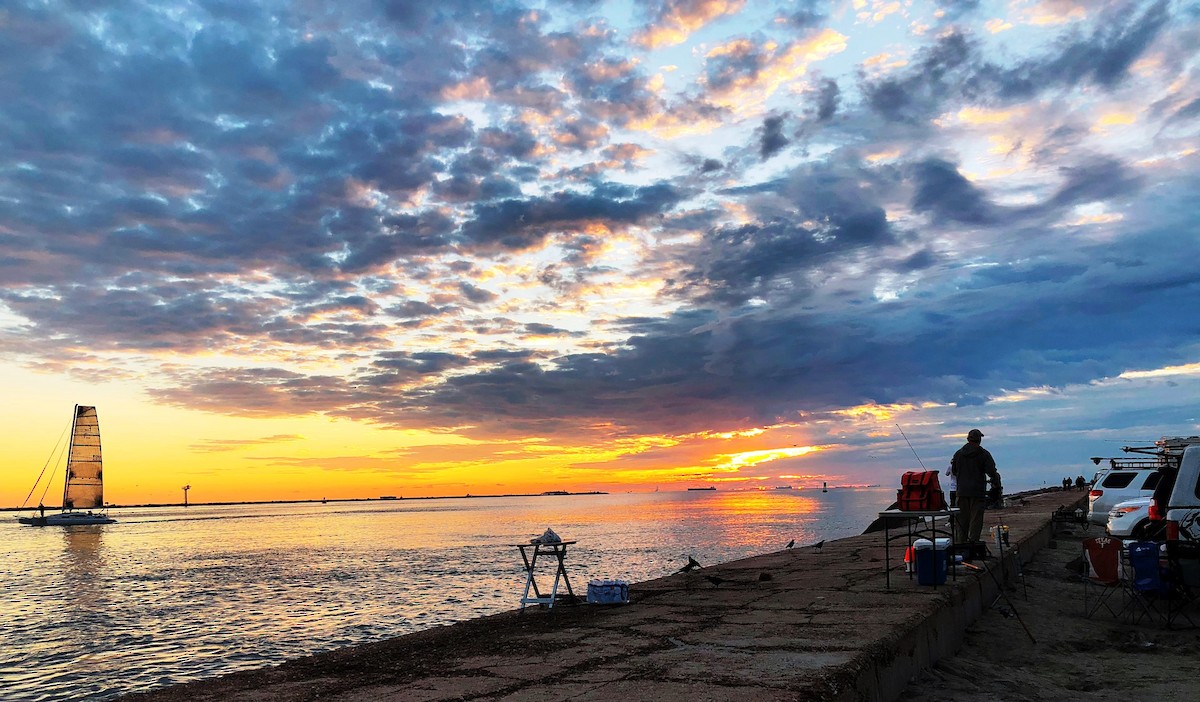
pixel 1131 519
pixel 1114 485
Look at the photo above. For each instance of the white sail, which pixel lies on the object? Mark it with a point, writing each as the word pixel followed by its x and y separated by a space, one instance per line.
pixel 84 488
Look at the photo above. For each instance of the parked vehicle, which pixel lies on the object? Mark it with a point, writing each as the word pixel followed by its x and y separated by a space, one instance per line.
pixel 1120 481
pixel 1182 507
pixel 1131 520
pixel 1125 480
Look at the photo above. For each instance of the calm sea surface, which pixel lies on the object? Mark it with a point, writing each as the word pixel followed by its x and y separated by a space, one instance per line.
pixel 169 595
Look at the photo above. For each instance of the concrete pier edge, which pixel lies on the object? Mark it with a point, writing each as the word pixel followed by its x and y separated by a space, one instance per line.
pixel 941 633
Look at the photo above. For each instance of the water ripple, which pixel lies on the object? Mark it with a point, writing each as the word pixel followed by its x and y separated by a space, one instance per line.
pixel 169 595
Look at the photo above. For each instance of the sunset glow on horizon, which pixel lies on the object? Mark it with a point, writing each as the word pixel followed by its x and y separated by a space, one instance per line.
pixel 345 250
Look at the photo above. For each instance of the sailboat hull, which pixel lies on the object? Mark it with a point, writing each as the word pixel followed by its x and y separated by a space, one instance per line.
pixel 67 519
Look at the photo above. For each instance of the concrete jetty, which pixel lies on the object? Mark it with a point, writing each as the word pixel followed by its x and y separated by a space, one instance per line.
pixel 805 623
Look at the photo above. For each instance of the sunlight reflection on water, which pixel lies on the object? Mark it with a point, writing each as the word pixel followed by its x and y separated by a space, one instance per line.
pixel 169 595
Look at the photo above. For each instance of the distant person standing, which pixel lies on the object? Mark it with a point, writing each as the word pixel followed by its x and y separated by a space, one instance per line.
pixel 1080 483
pixel 972 465
pixel 953 484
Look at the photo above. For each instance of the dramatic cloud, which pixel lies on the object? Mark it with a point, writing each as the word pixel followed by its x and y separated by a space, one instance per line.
pixel 603 226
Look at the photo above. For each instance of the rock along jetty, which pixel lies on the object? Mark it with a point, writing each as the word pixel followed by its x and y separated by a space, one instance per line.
pixel 807 623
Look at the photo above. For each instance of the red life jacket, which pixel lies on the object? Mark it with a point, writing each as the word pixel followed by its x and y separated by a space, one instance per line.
pixel 920 491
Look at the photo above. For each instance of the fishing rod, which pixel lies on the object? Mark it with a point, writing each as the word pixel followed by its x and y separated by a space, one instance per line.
pixel 911 447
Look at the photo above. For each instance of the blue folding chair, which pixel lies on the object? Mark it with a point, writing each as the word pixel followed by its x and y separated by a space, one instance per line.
pixel 1145 586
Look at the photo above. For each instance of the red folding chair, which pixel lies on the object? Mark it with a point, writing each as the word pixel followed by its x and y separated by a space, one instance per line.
pixel 1102 554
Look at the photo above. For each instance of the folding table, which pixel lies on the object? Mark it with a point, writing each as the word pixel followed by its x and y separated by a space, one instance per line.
pixel 555 549
pixel 915 522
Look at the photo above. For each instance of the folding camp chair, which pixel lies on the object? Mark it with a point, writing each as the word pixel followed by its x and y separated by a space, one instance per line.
pixel 1102 554
pixel 1183 576
pixel 1145 586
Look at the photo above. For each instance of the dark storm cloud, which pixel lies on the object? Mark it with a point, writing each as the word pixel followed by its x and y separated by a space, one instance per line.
pixel 740 263
pixel 516 50
pixel 770 137
pixel 942 191
pixel 163 318
pixel 1120 38
pixel 1039 325
pixel 740 63
pixel 828 97
pixel 522 224
pixel 1188 111
pixel 612 89
pixel 953 68
pixel 415 309
pixel 920 260
pixel 539 329
pixel 1005 327
pixel 395 237
pixel 476 295
pixel 515 141
pixel 939 72
pixel 814 213
pixel 1096 179
pixel 400 365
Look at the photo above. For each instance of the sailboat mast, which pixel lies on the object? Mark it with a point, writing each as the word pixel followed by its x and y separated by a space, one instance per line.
pixel 70 454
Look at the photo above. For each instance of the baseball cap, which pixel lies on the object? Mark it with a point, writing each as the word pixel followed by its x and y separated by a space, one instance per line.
pixel 974 435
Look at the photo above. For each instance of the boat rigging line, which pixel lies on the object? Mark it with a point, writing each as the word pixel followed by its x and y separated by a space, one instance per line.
pixel 57 447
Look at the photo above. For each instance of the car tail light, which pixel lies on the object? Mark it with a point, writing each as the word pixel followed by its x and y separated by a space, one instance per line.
pixel 1172 530
pixel 1123 510
pixel 1155 514
pixel 1095 493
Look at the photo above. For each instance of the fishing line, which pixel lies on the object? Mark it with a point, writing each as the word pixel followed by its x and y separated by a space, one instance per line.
pixel 911 447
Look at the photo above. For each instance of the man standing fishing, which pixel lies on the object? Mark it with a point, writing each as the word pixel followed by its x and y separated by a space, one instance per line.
pixel 972 465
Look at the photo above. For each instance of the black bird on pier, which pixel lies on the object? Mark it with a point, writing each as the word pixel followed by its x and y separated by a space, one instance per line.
pixel 692 564
pixel 791 543
pixel 819 545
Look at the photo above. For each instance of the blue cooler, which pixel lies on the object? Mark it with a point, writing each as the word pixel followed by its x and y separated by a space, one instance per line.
pixel 608 592
pixel 931 561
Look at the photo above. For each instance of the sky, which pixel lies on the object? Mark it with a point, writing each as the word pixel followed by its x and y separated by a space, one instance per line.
pixel 307 249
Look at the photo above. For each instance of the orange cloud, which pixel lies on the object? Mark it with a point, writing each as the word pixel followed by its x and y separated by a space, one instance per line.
pixel 679 20
pixel 783 65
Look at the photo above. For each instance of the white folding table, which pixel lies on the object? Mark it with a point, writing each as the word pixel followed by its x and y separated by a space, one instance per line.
pixel 529 554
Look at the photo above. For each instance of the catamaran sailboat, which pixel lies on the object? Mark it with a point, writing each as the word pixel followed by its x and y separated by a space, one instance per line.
pixel 83 488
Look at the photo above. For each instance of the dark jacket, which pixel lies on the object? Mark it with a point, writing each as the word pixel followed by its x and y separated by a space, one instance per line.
pixel 972 464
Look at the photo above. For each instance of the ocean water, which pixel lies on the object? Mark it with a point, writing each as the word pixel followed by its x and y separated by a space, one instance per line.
pixel 169 595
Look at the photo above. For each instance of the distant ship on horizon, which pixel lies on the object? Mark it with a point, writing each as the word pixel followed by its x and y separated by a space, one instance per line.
pixel 711 487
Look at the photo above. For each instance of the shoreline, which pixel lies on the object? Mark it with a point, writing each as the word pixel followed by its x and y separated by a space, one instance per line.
pixel 816 621
pixel 385 498
pixel 401 498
